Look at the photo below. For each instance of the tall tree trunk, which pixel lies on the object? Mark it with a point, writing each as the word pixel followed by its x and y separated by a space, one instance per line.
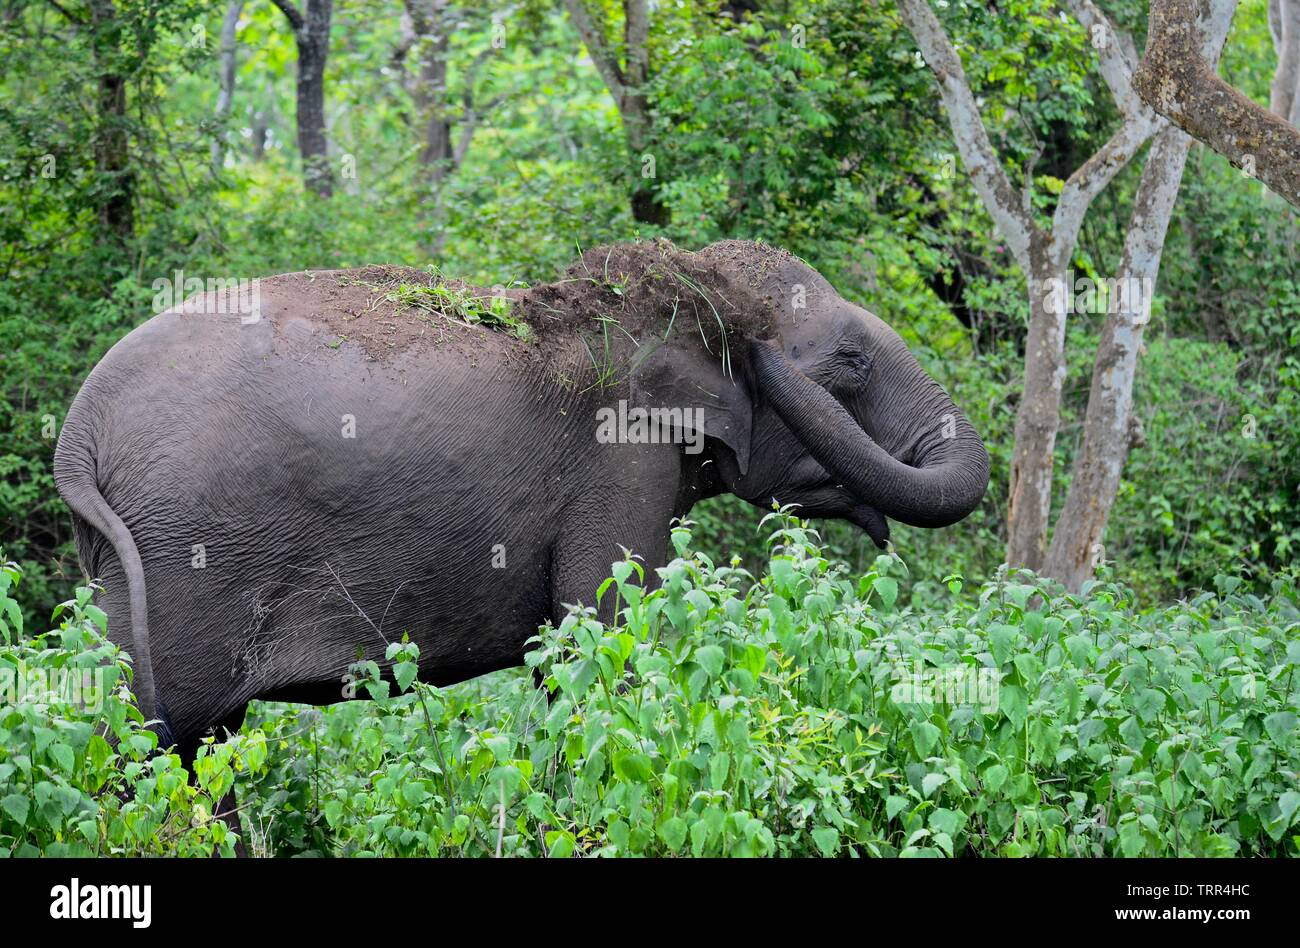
pixel 261 123
pixel 1038 417
pixel 1077 540
pixel 1108 430
pixel 311 29
pixel 313 50
pixel 626 84
pixel 1043 255
pixel 646 206
pixel 429 92
pixel 115 191
pixel 226 97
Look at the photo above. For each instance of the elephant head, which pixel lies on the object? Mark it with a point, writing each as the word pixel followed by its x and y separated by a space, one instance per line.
pixel 821 404
pixel 806 397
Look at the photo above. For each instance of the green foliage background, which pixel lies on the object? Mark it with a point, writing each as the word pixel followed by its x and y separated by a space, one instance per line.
pixel 839 151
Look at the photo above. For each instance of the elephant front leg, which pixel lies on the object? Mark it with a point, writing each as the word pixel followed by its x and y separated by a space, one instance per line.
pixel 583 559
pixel 586 550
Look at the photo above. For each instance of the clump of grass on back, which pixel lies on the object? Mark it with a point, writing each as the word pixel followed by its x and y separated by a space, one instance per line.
pixel 459 304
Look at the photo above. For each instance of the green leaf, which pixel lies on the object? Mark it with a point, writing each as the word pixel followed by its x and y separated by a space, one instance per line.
pixel 16 805
pixel 931 783
pixel 559 844
pixel 405 673
pixel 711 658
pixel 719 765
pixel 895 805
pixel 673 832
pixel 1131 841
pixel 827 839
pixel 947 821
pixel 1287 805
pixel 925 736
pixel 1014 703
pixel 632 766
pixel 1279 725
pixel 699 836
pixel 994 777
pixel 63 756
pixel 1002 642
pixel 414 793
pixel 887 588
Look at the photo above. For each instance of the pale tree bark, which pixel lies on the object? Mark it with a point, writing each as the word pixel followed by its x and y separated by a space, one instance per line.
pixel 626 84
pixel 261 127
pixel 226 97
pixel 311 31
pixel 1110 428
pixel 1177 81
pixel 1043 255
pixel 1284 24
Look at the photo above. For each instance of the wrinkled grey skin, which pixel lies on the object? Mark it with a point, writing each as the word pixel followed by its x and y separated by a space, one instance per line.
pixel 200 431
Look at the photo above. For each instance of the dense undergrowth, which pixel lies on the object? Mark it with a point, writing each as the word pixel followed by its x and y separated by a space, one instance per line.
pixel 802 711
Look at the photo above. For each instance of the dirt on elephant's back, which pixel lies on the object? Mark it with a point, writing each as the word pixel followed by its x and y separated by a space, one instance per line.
pixel 611 297
pixel 386 310
pixel 652 286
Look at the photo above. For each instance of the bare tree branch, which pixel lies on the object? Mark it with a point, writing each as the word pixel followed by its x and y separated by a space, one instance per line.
pixel 1117 57
pixel 627 85
pixel 1091 178
pixel 472 114
pixel 593 37
pixel 68 16
pixel 1177 81
pixel 289 10
pixel 1117 54
pixel 977 154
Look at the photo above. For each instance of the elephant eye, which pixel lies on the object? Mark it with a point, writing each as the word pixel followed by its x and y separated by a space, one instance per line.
pixel 856 362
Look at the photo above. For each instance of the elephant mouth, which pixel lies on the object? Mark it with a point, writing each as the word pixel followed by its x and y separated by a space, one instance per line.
pixel 873 522
pixel 949 479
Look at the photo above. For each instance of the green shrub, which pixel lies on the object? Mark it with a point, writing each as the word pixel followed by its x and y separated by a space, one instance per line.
pixel 809 712
pixel 794 716
pixel 79 775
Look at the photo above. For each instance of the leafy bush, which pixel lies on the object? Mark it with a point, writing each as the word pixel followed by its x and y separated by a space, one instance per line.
pixel 78 771
pixel 799 715
pixel 805 713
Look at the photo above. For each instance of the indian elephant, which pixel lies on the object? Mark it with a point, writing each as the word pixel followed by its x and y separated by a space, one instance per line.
pixel 262 490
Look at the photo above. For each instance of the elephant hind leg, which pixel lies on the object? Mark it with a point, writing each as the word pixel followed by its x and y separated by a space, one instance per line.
pixel 227 808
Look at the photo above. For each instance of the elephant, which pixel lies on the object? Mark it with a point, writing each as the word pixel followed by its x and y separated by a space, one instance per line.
pixel 263 492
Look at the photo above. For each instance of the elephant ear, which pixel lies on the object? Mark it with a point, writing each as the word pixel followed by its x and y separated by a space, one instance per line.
pixel 672 375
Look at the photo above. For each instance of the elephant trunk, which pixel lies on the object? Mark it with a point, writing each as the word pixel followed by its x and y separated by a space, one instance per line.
pixel 951 466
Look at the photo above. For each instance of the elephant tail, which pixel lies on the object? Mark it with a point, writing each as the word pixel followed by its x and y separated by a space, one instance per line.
pixel 74 475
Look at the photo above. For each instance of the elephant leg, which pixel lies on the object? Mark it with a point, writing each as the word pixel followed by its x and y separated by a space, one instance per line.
pixel 227 808
pixel 586 550
pixel 580 562
pixel 583 557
